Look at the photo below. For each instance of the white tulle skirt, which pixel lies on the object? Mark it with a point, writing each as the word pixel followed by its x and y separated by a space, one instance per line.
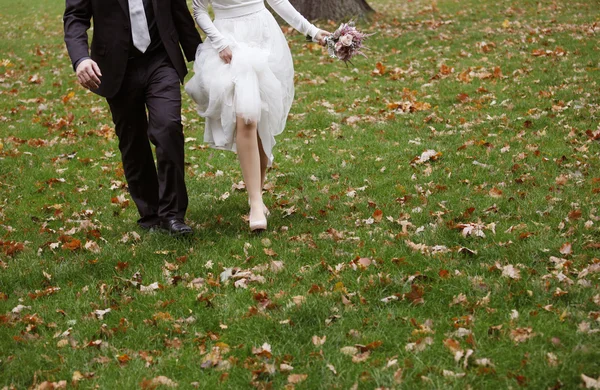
pixel 258 84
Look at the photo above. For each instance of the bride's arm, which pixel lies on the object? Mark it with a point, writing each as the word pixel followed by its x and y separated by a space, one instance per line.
pixel 293 17
pixel 218 41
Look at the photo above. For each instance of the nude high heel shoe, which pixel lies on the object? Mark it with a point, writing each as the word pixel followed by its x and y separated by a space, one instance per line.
pixel 260 224
pixel 265 210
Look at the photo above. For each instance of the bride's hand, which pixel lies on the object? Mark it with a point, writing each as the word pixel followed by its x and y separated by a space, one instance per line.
pixel 320 37
pixel 226 55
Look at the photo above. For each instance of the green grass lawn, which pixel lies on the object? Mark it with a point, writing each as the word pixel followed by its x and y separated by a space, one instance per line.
pixel 434 223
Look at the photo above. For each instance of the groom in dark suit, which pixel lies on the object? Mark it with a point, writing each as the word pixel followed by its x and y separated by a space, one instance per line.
pixel 136 63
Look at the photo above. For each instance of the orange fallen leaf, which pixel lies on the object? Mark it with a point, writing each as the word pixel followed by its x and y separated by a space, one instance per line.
pixel 495 193
pixel 378 215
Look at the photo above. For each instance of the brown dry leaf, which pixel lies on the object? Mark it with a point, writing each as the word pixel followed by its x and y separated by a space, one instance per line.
pixel 452 345
pixel 361 357
pixel 471 229
pixel 452 374
pixel 44 293
pixel 212 359
pixel 269 252
pixel 461 299
pixel 415 295
pixel 99 314
pixel 299 300
pixel 276 266
pixel 561 180
pixel 525 235
pixel 11 247
pixel 285 367
pixel 37 79
pixel 349 351
pixel 495 193
pixel 150 289
pixel 318 341
pixel 419 345
pixel 566 249
pixel 297 378
pixel 446 70
pixel 364 262
pixel 62 343
pixel 559 292
pixel 147 357
pixel 19 308
pixel 398 376
pixel 120 200
pixel 520 335
pixel 370 346
pixel 352 120
pixel 263 351
pixel 552 359
pixel 379 70
pixel 51 385
pixel 462 97
pixel 332 368
pixel 123 359
pixel 590 383
pixel 484 362
pixel 428 155
pixel 92 246
pixel 509 271
pixel 71 244
pixel 575 214
pixel 158 381
pixel 378 215
pixel 77 376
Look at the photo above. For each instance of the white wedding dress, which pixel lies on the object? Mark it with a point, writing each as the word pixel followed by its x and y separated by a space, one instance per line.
pixel 258 84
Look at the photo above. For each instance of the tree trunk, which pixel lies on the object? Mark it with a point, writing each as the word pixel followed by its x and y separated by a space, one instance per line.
pixel 338 10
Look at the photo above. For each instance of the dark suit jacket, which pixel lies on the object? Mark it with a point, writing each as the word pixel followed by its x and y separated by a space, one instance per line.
pixel 111 41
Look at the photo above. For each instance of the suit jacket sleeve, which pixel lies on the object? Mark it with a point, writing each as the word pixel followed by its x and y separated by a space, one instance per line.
pixel 77 20
pixel 189 38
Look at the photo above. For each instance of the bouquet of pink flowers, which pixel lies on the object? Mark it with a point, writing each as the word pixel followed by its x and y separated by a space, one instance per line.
pixel 346 42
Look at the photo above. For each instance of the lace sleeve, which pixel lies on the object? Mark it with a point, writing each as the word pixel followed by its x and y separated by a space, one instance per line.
pixel 293 17
pixel 217 40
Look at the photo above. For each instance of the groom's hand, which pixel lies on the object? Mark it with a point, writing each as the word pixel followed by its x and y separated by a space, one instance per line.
pixel 89 74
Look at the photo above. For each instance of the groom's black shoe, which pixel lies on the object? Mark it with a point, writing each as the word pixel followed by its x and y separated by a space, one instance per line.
pixel 150 226
pixel 176 227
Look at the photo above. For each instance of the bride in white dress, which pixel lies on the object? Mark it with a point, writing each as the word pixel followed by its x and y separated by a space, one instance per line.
pixel 244 84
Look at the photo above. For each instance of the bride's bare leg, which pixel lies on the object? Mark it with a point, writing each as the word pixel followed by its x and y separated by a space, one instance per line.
pixel 250 162
pixel 264 163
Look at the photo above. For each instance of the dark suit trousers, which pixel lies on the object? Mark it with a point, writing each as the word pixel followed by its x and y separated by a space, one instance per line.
pixel 148 108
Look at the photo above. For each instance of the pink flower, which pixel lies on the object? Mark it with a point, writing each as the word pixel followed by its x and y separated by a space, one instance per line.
pixel 346 40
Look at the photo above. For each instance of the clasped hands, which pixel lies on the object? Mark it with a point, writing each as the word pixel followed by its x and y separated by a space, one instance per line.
pixel 226 55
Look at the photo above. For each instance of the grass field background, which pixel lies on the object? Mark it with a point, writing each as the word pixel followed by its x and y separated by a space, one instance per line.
pixel 434 218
